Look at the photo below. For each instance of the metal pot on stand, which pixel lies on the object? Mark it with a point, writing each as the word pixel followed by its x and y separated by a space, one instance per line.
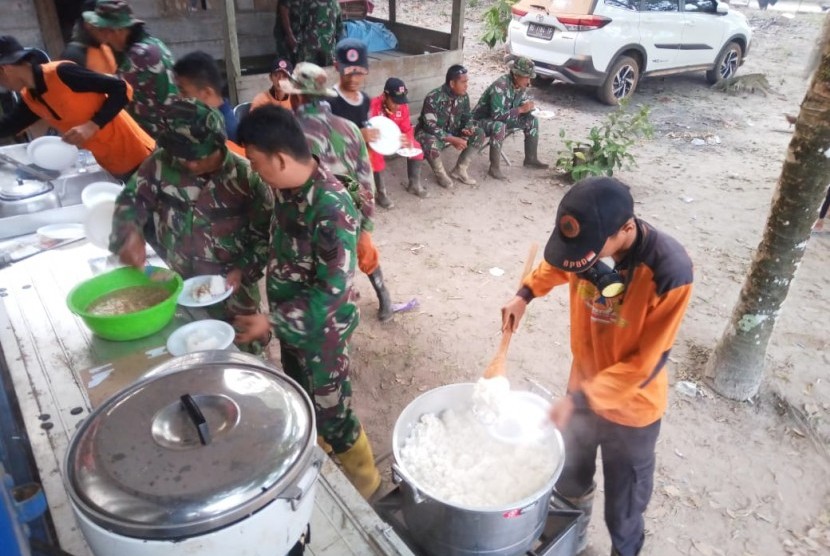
pixel 443 528
pixel 212 453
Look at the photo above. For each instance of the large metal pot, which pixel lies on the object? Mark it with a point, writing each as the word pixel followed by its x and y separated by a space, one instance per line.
pixel 25 196
pixel 446 529
pixel 212 453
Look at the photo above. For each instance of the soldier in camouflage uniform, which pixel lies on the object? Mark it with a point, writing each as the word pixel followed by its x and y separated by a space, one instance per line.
pixel 212 213
pixel 288 29
pixel 505 106
pixel 143 61
pixel 446 119
pixel 309 281
pixel 321 25
pixel 340 146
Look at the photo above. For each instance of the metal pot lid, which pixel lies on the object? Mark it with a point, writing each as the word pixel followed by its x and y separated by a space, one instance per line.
pixel 200 442
pixel 19 189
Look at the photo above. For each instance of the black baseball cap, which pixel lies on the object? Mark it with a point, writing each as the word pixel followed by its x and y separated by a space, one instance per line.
pixel 352 56
pixel 396 89
pixel 11 51
pixel 282 64
pixel 591 212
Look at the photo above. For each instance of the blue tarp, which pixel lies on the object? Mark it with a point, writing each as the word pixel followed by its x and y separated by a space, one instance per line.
pixel 376 36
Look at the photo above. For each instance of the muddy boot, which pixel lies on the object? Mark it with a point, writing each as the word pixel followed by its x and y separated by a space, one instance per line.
pixel 531 150
pixel 584 504
pixel 359 466
pixel 495 163
pixel 382 196
pixel 440 174
pixel 460 170
pixel 384 300
pixel 413 174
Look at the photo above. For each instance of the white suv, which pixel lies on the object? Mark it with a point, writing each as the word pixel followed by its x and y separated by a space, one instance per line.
pixel 611 44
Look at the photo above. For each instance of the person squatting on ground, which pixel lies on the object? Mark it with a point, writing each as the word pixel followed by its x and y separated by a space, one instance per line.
pixel 197 76
pixel 309 282
pixel 211 212
pixel 624 317
pixel 351 103
pixel 505 106
pixel 340 146
pixel 445 120
pixel 85 106
pixel 143 61
pixel 280 70
pixel 394 104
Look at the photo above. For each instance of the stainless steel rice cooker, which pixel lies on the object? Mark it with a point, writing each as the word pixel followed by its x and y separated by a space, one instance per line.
pixel 444 528
pixel 212 453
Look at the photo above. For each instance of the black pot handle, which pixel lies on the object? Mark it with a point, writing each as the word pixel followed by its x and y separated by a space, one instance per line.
pixel 196 416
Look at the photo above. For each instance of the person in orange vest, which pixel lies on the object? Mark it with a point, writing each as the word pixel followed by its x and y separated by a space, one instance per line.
pixel 85 106
pixel 85 47
pixel 281 69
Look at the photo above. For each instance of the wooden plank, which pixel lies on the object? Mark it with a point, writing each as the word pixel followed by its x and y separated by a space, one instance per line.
pixel 415 40
pixel 24 25
pixel 393 11
pixel 50 28
pixel 457 27
pixel 232 69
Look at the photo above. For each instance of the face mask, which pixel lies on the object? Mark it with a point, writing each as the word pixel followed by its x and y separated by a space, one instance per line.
pixel 607 280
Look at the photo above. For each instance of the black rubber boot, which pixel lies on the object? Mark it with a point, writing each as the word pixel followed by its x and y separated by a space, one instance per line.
pixel 413 174
pixel 384 300
pixel 532 152
pixel 382 196
pixel 495 163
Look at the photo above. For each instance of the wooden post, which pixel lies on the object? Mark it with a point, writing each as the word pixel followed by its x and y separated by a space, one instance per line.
pixel 232 64
pixel 393 11
pixel 50 27
pixel 457 27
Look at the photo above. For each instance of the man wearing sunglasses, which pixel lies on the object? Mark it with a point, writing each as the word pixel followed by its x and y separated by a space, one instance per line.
pixel 624 318
pixel 446 120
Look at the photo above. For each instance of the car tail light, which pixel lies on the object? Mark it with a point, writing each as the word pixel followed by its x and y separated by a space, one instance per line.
pixel 517 14
pixel 583 22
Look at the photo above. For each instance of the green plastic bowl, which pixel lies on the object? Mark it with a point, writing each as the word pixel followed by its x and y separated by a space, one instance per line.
pixel 129 326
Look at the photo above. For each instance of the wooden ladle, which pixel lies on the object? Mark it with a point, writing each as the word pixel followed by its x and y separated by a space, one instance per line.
pixel 497 366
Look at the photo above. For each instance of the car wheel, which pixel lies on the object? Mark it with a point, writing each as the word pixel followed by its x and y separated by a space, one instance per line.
pixel 621 81
pixel 726 65
pixel 541 81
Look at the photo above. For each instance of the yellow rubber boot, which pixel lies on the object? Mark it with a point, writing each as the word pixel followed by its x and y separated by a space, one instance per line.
pixel 321 442
pixel 359 466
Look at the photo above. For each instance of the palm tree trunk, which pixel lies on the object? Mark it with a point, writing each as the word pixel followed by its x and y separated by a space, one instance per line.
pixel 737 364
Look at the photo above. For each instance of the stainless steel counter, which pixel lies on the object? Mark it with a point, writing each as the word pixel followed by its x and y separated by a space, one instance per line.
pixel 56 364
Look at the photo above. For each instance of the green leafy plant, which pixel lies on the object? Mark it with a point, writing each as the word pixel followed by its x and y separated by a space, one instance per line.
pixel 496 19
pixel 607 146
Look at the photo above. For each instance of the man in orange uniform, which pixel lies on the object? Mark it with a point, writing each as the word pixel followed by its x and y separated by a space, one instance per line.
pixel 281 69
pixel 85 106
pixel 394 104
pixel 624 318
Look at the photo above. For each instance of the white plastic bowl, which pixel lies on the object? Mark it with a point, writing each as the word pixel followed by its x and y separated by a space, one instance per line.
pixel 98 223
pixel 218 333
pixel 100 191
pixel 52 153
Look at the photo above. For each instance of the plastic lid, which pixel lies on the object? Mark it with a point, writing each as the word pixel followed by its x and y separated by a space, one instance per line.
pixel 200 443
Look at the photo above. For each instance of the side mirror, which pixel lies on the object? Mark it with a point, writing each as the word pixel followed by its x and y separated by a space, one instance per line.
pixel 722 8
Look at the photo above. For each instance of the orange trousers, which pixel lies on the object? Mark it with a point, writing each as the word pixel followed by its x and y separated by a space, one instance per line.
pixel 368 258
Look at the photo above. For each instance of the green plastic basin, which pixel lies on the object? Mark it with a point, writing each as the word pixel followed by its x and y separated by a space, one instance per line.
pixel 129 326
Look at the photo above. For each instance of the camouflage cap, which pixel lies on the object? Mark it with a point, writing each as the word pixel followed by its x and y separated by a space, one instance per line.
pixel 111 14
pixel 191 129
pixel 308 79
pixel 523 67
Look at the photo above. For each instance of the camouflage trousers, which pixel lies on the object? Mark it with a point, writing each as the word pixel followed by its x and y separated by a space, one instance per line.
pixel 244 301
pixel 497 131
pixel 432 145
pixel 324 374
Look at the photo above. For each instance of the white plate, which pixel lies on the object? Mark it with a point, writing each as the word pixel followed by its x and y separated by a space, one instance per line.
pixel 100 191
pixel 409 152
pixel 61 232
pixel 216 333
pixel 98 223
pixel 390 135
pixel 544 114
pixel 186 298
pixel 52 153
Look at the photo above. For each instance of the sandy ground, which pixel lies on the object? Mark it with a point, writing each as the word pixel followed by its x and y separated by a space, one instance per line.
pixel 732 478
